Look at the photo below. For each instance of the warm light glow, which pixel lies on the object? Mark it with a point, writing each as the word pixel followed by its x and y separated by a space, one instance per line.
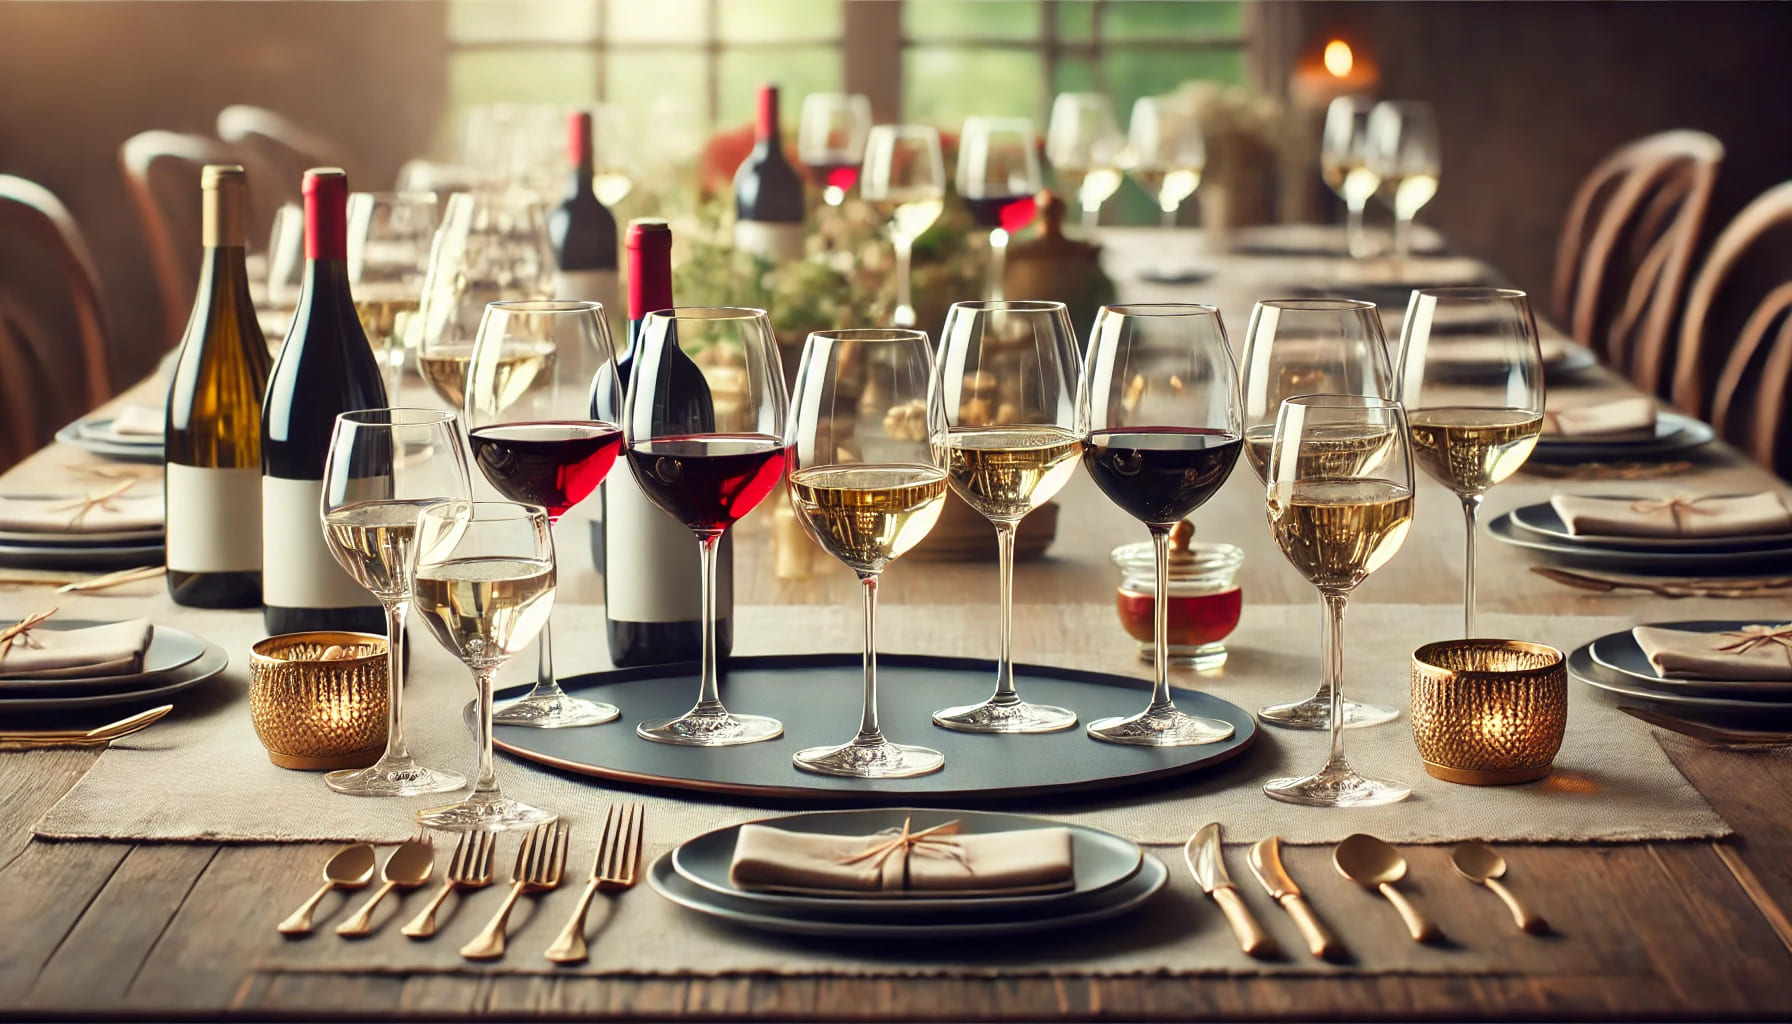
pixel 1338 59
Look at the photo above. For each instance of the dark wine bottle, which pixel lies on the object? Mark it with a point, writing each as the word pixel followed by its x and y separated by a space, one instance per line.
pixel 768 195
pixel 653 600
pixel 212 488
pixel 326 367
pixel 582 229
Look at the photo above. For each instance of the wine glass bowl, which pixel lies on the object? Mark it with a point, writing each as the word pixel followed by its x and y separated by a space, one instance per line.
pixel 998 179
pixel 1084 144
pixel 905 183
pixel 1166 155
pixel 830 140
pixel 1345 166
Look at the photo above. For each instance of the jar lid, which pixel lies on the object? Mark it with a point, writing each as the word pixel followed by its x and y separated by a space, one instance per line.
pixel 1188 558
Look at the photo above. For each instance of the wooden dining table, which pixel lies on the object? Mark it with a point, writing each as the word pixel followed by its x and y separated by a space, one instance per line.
pixel 175 930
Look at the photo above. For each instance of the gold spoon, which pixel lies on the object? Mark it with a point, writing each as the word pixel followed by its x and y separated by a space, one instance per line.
pixel 409 867
pixel 1481 863
pixel 350 868
pixel 1373 864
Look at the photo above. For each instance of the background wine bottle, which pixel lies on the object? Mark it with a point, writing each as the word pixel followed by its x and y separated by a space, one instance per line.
pixel 212 471
pixel 653 603
pixel 325 367
pixel 582 229
pixel 768 194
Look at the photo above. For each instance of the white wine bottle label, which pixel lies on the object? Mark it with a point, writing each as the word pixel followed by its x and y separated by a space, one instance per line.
pixel 214 519
pixel 297 569
pixel 589 286
pixel 652 567
pixel 778 243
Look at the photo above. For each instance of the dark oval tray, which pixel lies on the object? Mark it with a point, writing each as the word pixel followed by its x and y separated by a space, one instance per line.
pixel 817 697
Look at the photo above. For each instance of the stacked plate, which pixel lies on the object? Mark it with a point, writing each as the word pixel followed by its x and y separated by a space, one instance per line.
pixel 100 436
pixel 1538 528
pixel 1674 434
pixel 97 550
pixel 1112 876
pixel 1617 665
pixel 176 660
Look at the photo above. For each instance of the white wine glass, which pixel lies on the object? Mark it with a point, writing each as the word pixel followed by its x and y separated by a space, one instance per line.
pixel 613 147
pixel 830 140
pixel 905 182
pixel 867 485
pixel 1344 164
pixel 483 576
pixel 1337 524
pixel 1166 155
pixel 383 468
pixel 1471 379
pixel 389 239
pixel 1303 347
pixel 1403 151
pixel 1084 143
pixel 998 179
pixel 1004 410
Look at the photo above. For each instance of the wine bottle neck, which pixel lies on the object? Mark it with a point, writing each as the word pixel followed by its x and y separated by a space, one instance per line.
pixel 579 150
pixel 766 127
pixel 223 219
pixel 326 216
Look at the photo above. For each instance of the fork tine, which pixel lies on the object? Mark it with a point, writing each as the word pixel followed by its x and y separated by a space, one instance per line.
pixel 557 862
pixel 523 852
pixel 488 845
pixel 457 861
pixel 631 860
pixel 544 842
pixel 600 865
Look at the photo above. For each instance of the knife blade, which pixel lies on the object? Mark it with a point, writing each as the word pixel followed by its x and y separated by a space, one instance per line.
pixel 1208 865
pixel 1266 864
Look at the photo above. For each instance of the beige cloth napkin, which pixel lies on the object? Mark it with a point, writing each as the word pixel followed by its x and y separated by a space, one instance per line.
pixel 1615 420
pixel 1683 654
pixel 128 511
pixel 114 649
pixel 774 860
pixel 1743 515
pixel 138 422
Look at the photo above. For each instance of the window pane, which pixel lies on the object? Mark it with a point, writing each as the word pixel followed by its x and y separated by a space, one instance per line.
pixel 961 19
pixel 497 21
pixel 943 85
pixel 1076 20
pixel 1159 19
pixel 797 70
pixel 1074 74
pixel 779 19
pixel 531 75
pixel 1132 73
pixel 663 92
pixel 662 21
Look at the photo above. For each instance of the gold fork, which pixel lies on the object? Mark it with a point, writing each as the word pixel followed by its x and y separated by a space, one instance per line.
pixel 618 861
pixel 470 867
pixel 539 861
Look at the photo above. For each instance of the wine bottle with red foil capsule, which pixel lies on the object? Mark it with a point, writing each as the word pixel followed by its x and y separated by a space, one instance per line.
pixel 325 367
pixel 582 229
pixel 768 194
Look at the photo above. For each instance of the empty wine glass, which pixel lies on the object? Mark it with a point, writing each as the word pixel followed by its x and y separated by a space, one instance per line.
pixel 1159 399
pixel 1403 151
pixel 383 468
pixel 1344 164
pixel 867 485
pixel 389 238
pixel 998 178
pixel 1083 143
pixel 830 140
pixel 1166 155
pixel 905 182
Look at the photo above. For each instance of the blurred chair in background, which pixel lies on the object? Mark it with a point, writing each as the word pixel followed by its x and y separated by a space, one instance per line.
pixel 287 148
pixel 161 170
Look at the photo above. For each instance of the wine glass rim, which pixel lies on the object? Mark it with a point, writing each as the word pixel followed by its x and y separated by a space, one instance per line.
pixel 987 122
pixel 1472 291
pixel 871 334
pixel 486 511
pixel 1317 305
pixel 545 306
pixel 1010 305
pixel 1320 400
pixel 387 195
pixel 403 416
pixel 708 313
pixel 1161 309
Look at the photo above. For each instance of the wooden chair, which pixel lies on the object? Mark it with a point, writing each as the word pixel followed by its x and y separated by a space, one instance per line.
pixel 1627 248
pixel 161 170
pixel 287 148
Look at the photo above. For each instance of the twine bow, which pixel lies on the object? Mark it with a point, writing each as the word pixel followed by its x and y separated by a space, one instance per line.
pixel 20 632
pixel 929 842
pixel 1751 637
pixel 102 500
pixel 1677 506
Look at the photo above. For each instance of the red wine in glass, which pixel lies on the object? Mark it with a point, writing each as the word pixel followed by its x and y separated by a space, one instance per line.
pixel 553 463
pixel 840 176
pixel 1010 213
pixel 708 481
pixel 1158 475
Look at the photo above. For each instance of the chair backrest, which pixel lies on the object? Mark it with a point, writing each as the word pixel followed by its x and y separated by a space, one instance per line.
pixel 1627 247
pixel 288 147
pixel 161 170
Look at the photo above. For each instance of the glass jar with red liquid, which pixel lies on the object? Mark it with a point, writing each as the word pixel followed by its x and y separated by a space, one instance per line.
pixel 1204 597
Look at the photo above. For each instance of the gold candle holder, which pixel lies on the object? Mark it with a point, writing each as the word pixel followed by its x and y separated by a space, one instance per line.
pixel 314 714
pixel 1488 712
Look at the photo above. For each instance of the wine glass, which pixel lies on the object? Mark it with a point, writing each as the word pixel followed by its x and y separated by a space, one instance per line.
pixel 1337 523
pixel 998 178
pixel 389 238
pixel 528 412
pixel 1471 379
pixel 286 257
pixel 1304 347
pixel 1083 142
pixel 1404 153
pixel 830 140
pixel 613 154
pixel 1343 163
pixel 1159 399
pixel 707 452
pixel 867 485
pixel 1166 155
pixel 483 575
pixel 1004 409
pixel 384 466
pixel 905 182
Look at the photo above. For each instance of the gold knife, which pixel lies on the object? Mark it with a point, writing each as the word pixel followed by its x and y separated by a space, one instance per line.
pixel 1205 862
pixel 1266 864
pixel 1717 586
pixel 40 739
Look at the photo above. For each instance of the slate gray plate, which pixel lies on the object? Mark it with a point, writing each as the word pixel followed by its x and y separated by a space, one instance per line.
pixel 1663 563
pixel 1674 433
pixel 1623 657
pixel 209 664
pixel 1543 520
pixel 169 651
pixel 93 556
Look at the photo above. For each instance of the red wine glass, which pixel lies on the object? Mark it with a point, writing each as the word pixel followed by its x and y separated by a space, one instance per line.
pixel 998 177
pixel 830 140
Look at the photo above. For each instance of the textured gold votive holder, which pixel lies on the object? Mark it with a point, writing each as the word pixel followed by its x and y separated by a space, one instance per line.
pixel 317 715
pixel 1488 712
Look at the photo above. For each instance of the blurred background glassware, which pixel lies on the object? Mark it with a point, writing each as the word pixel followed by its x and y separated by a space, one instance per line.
pixel 613 149
pixel 1166 155
pixel 1344 164
pixel 1084 144
pixel 1404 152
pixel 318 713
pixel 1488 712
pixel 905 182
pixel 998 179
pixel 389 239
pixel 1205 601
pixel 286 267
pixel 830 141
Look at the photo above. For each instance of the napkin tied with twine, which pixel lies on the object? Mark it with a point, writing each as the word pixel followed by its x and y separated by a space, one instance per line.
pixel 1754 653
pixel 1679 515
pixel 936 861
pixel 114 649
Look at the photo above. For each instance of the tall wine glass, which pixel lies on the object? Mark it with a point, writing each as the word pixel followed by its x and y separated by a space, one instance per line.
pixel 1303 347
pixel 1159 399
pixel 483 575
pixel 1471 379
pixel 905 182
pixel 1004 410
pixel 1083 143
pixel 867 485
pixel 389 238
pixel 613 147
pixel 1344 164
pixel 830 140
pixel 707 462
pixel 1403 150
pixel 528 413
pixel 1166 155
pixel 383 468
pixel 1337 523
pixel 998 178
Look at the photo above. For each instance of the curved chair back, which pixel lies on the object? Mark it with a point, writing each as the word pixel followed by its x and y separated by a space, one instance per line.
pixel 289 148
pixel 161 170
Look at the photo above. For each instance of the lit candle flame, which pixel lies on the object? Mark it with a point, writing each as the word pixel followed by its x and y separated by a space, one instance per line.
pixel 1338 59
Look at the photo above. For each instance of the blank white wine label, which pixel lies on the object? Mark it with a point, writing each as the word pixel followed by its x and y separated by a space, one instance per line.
pixel 653 571
pixel 297 569
pixel 214 519
pixel 588 286
pixel 779 243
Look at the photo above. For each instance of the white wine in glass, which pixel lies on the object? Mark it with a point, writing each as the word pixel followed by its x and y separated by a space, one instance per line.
pixel 1084 143
pixel 1403 151
pixel 905 183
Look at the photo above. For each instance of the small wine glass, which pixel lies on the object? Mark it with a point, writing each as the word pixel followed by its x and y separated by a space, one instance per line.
pixel 1344 164
pixel 389 238
pixel 528 414
pixel 905 182
pixel 1159 399
pixel 483 574
pixel 1471 379
pixel 707 456
pixel 867 485
pixel 383 467
pixel 1083 143
pixel 1166 155
pixel 830 140
pixel 1337 524
pixel 613 148
pixel 998 178
pixel 1403 150
pixel 1003 408
pixel 1303 347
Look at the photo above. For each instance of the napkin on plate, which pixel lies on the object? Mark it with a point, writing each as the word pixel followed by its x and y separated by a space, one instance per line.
pixel 138 422
pixel 1752 654
pixel 1620 419
pixel 1740 515
pixel 935 862
pixel 85 513
pixel 114 649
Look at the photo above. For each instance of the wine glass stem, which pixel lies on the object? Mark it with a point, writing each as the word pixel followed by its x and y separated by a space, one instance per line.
pixel 1167 220
pixel 1160 630
pixel 905 310
pixel 1471 505
pixel 487 784
pixel 1334 672
pixel 547 685
pixel 1402 236
pixel 998 263
pixel 1353 231
pixel 1005 695
pixel 709 698
pixel 869 732
pixel 1091 215
pixel 396 750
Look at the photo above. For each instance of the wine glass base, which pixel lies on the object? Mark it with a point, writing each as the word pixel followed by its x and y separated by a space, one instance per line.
pixel 1316 713
pixel 561 712
pixel 883 760
pixel 1170 728
pixel 1333 786
pixel 394 777
pixel 484 814
pixel 723 730
pixel 1019 717
pixel 1201 658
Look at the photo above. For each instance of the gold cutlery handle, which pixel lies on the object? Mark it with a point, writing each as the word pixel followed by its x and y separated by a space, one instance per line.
pixel 1417 925
pixel 569 948
pixel 1319 940
pixel 300 921
pixel 424 924
pixel 361 925
pixel 1523 917
pixel 51 743
pixel 1251 936
pixel 489 944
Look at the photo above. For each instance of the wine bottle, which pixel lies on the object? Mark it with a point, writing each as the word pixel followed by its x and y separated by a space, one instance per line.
pixel 212 485
pixel 325 367
pixel 582 228
pixel 653 605
pixel 768 195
